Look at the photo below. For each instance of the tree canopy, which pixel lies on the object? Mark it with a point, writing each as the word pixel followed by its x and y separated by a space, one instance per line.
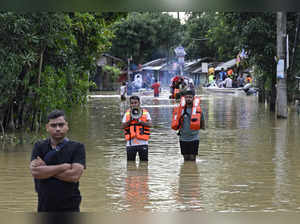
pixel 145 36
pixel 45 61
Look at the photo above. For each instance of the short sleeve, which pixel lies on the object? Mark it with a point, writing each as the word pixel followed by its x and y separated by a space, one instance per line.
pixel 35 151
pixel 79 155
pixel 148 116
pixel 124 118
pixel 202 115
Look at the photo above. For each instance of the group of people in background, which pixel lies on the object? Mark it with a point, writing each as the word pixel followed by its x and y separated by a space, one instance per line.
pixel 227 79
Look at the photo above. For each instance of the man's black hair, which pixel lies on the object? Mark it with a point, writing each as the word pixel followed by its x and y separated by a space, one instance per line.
pixel 134 98
pixel 55 114
pixel 189 92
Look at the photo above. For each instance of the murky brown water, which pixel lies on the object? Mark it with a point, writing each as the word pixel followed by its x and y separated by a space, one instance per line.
pixel 248 161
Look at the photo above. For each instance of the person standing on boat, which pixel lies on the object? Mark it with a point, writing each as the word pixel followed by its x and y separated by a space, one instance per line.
pixel 57 164
pixel 155 86
pixel 222 75
pixel 211 79
pixel 241 80
pixel 188 118
pixel 228 82
pixel 136 124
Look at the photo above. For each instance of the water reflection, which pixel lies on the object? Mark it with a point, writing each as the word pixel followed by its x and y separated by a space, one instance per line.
pixel 282 194
pixel 136 186
pixel 189 195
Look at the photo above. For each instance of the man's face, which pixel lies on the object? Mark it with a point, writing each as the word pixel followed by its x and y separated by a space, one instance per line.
pixel 57 128
pixel 134 104
pixel 189 99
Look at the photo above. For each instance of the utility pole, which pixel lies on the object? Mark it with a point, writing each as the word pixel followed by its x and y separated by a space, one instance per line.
pixel 281 96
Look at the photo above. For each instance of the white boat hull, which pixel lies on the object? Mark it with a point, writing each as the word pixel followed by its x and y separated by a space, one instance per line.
pixel 223 90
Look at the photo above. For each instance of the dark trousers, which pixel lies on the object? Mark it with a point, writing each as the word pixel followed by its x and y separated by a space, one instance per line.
pixel 133 150
pixel 48 204
pixel 189 148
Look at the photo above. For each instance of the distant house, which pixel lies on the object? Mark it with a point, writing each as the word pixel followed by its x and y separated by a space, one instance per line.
pixel 164 71
pixel 102 79
pixel 193 69
pixel 155 69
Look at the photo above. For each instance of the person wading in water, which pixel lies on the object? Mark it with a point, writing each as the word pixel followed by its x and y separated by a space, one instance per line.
pixel 188 118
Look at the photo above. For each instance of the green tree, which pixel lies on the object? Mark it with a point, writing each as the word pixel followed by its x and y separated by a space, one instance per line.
pixel 145 36
pixel 195 38
pixel 45 61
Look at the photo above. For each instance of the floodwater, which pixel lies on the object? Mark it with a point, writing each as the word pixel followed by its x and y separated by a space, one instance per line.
pixel 248 161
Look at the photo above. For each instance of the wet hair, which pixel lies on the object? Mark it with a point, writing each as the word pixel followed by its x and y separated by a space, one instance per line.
pixel 55 114
pixel 134 98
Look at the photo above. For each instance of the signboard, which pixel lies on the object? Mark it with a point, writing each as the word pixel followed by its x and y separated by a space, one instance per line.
pixel 280 69
pixel 204 67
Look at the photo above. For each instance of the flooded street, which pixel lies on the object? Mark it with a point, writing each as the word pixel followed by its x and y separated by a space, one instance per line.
pixel 248 161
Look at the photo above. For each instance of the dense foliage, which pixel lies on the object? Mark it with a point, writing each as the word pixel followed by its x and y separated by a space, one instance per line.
pixel 227 33
pixel 45 62
pixel 145 36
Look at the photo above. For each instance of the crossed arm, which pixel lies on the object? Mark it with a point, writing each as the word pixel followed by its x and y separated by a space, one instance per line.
pixel 65 172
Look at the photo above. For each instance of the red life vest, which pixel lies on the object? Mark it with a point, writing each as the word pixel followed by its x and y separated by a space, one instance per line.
pixel 136 130
pixel 195 122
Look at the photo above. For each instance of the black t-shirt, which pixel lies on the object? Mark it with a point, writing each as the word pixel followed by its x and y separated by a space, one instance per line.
pixel 55 194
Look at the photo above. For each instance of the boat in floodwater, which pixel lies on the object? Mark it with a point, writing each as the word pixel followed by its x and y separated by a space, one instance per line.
pixel 215 89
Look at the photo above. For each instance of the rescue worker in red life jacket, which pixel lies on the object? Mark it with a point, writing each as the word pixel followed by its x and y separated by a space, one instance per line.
pixel 136 124
pixel 188 118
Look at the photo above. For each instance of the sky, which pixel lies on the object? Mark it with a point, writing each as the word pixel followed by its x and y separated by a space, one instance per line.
pixel 182 16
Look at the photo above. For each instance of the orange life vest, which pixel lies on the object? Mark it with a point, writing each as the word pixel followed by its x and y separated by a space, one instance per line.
pixel 177 112
pixel 249 80
pixel 136 130
pixel 195 115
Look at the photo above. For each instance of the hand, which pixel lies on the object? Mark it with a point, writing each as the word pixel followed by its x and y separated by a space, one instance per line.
pixel 38 162
pixel 67 166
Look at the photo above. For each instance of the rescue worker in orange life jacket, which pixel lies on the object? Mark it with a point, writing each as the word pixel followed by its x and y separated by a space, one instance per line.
pixel 189 122
pixel 136 124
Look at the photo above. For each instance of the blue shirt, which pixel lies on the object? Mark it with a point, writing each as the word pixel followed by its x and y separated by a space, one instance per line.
pixel 186 133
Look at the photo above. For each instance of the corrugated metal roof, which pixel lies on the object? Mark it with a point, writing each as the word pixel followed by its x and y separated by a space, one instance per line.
pixel 155 68
pixel 156 62
pixel 226 65
pixel 198 70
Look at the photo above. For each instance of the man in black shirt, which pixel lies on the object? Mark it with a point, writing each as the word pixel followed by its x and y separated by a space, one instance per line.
pixel 57 164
